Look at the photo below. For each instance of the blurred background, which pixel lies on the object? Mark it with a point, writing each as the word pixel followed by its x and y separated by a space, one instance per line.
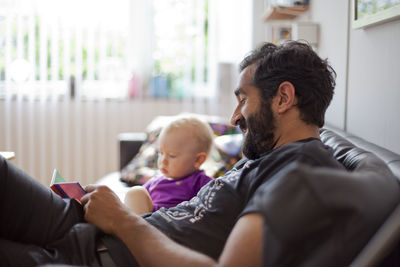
pixel 74 74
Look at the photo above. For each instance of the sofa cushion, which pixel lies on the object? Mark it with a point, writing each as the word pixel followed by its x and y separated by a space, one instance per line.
pixel 351 150
pixel 230 148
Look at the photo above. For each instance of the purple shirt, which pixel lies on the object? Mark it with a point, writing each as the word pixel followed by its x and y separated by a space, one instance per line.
pixel 170 192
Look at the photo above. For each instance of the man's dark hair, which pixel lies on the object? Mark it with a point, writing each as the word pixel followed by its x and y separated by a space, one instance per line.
pixel 295 62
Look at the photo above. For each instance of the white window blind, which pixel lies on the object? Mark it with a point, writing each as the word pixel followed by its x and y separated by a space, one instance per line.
pixel 117 49
pixel 53 48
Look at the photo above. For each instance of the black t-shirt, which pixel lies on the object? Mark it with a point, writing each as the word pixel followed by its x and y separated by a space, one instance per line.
pixel 321 216
pixel 204 222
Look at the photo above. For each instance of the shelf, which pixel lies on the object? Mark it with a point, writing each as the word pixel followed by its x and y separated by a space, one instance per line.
pixel 284 13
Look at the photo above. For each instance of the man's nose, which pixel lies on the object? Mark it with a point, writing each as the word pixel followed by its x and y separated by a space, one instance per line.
pixel 236 116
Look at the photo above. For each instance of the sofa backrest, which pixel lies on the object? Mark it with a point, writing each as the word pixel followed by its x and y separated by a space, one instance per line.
pixel 351 150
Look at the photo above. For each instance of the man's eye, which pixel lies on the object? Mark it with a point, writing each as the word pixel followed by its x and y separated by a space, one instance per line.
pixel 242 101
pixel 172 156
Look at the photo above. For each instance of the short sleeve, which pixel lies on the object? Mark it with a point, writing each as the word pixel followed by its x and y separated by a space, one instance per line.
pixel 321 216
pixel 284 198
pixel 201 180
pixel 149 185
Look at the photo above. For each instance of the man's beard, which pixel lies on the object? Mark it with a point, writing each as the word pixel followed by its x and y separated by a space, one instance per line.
pixel 260 132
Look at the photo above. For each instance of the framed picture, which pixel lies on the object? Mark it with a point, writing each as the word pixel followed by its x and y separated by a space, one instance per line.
pixel 281 34
pixel 370 12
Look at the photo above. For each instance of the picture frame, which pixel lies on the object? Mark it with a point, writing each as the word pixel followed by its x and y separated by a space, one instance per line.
pixel 367 13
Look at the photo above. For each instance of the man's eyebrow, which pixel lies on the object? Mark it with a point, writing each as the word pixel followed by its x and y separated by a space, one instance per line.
pixel 238 91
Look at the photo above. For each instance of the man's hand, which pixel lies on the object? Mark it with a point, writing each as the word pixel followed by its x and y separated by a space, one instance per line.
pixel 103 208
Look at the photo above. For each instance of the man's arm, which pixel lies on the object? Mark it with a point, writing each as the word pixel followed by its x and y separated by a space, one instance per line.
pixel 150 247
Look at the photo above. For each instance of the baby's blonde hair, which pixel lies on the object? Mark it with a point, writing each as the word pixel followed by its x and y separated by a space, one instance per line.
pixel 200 130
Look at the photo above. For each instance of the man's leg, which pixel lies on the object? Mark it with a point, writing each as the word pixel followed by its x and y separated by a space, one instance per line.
pixel 30 212
pixel 16 254
pixel 77 247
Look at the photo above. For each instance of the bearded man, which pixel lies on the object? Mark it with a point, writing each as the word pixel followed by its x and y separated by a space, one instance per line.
pixel 282 96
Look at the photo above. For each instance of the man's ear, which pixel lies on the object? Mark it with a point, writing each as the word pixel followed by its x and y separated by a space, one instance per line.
pixel 286 97
pixel 200 158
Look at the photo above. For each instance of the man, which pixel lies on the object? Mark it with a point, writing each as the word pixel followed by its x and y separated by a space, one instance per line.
pixel 282 96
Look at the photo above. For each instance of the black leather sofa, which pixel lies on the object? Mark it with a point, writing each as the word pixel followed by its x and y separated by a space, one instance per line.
pixel 384 247
pixel 351 151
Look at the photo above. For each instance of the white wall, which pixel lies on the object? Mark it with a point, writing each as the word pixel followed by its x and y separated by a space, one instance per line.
pixel 333 24
pixel 374 84
pixel 372 107
pixel 259 31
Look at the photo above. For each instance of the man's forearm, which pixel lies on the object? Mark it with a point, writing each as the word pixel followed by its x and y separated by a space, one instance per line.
pixel 150 247
pixel 147 244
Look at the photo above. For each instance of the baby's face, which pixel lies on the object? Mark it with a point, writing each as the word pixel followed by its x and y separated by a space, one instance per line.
pixel 177 153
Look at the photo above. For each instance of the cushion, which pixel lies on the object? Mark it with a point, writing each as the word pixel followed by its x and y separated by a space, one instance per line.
pixel 144 165
pixel 230 148
pixel 221 157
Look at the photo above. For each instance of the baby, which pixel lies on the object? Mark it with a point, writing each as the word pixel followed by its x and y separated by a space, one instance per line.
pixel 183 147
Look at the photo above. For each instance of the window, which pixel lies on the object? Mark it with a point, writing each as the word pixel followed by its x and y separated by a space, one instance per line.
pixel 119 49
pixel 181 48
pixel 52 48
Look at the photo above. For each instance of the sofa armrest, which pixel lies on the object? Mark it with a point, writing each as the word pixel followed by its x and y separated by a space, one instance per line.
pixel 129 145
